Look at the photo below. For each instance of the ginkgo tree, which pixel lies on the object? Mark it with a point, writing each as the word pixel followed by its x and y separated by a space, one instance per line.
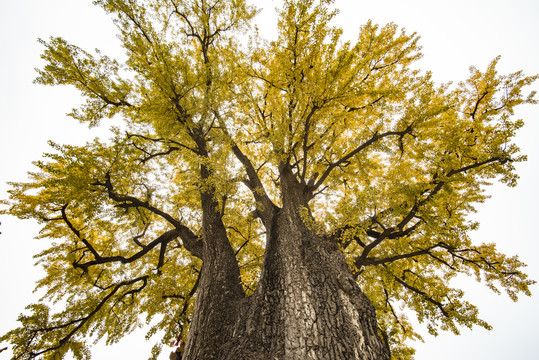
pixel 285 199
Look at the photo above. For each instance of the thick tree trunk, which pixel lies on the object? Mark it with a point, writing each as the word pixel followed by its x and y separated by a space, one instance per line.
pixel 218 292
pixel 306 306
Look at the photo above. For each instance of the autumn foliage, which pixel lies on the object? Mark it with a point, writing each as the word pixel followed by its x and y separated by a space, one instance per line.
pixel 221 128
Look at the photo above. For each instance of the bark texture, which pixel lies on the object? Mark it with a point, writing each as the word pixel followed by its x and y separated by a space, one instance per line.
pixel 306 306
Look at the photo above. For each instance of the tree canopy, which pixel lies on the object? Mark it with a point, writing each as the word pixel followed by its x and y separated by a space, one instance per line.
pixel 389 163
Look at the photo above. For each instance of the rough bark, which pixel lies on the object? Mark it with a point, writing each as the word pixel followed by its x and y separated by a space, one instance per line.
pixel 219 289
pixel 306 306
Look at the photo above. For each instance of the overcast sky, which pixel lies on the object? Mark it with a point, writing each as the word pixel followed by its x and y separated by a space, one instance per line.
pixel 455 34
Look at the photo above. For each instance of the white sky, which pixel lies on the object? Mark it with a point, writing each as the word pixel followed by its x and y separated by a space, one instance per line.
pixel 455 34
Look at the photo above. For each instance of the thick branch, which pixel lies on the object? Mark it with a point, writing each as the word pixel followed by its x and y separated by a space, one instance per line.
pixel 374 261
pixel 131 201
pixel 253 183
pixel 162 240
pixel 499 159
pixel 398 230
pixel 337 236
pixel 439 185
pixel 477 104
pixel 389 233
pixel 190 240
pixel 356 151
pixel 77 232
pixel 160 141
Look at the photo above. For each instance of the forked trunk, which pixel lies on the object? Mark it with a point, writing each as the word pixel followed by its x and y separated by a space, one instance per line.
pixel 306 306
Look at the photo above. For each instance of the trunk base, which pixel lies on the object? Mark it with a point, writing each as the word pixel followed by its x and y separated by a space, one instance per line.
pixel 307 306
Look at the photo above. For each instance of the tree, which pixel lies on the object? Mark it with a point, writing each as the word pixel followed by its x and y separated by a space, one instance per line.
pixel 298 189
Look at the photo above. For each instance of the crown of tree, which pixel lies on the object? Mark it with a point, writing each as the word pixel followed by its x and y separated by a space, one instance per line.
pixel 248 175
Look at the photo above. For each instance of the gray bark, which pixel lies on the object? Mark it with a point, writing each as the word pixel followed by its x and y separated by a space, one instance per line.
pixel 306 305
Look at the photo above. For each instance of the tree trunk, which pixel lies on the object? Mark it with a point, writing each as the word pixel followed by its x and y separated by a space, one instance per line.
pixel 306 306
pixel 219 289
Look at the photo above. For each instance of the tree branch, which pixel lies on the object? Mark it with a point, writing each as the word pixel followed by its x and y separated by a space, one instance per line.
pixel 161 141
pixel 356 151
pixel 162 240
pixel 77 232
pixel 372 103
pixel 439 185
pixel 423 294
pixel 253 183
pixel 373 261
pixel 472 114
pixel 131 201
pixel 82 321
pixel 398 230
pixel 306 140
pixel 190 240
